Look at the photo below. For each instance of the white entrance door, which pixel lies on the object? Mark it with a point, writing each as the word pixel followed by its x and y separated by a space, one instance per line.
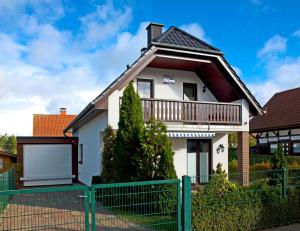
pixel 47 164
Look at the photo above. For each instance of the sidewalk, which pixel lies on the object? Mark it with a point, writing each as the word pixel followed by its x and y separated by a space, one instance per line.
pixel 294 227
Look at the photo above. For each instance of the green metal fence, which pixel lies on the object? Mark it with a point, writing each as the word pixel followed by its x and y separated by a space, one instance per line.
pixel 153 205
pixel 7 182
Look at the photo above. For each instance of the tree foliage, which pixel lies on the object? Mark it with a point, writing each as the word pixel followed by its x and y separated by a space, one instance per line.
pixel 8 143
pixel 158 163
pixel 108 160
pixel 128 147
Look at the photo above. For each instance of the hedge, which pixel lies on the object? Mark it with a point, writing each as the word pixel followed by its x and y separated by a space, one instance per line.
pixel 231 207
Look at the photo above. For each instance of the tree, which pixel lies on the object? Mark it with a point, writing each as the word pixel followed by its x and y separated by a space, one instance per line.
pixel 158 163
pixel 279 163
pixel 8 143
pixel 108 160
pixel 128 147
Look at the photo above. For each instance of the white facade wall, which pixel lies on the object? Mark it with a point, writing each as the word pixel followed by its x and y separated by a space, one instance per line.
pixel 90 136
pixel 179 147
pixel 221 157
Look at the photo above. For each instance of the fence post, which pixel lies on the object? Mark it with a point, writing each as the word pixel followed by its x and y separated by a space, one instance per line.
pixel 186 203
pixel 283 182
pixel 178 207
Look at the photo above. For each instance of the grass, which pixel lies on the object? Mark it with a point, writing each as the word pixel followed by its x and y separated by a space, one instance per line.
pixel 153 222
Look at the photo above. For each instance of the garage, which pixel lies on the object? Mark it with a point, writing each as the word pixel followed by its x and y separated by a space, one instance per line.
pixel 47 161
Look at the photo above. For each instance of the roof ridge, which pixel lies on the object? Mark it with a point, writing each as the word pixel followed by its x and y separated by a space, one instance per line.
pixel 196 38
pixel 288 90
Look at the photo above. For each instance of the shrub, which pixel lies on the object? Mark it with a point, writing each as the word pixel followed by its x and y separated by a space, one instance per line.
pixel 222 206
pixel 226 206
pixel 108 158
pixel 232 166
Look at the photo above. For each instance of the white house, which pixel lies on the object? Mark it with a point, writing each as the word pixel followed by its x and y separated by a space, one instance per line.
pixel 185 83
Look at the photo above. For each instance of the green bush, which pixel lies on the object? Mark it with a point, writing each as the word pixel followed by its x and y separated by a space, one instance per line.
pixel 225 206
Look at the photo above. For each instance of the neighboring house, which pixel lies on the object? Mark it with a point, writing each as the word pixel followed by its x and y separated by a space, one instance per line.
pixel 187 84
pixel 279 124
pixel 51 125
pixel 48 157
pixel 6 160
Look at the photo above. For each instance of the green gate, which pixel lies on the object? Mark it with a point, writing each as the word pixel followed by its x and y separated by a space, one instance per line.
pixel 55 208
pixel 151 205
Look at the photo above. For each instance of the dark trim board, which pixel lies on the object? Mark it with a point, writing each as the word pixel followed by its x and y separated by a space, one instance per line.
pixel 23 140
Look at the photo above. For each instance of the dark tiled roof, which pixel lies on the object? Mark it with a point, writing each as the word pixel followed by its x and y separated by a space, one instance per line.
pixel 179 38
pixel 282 111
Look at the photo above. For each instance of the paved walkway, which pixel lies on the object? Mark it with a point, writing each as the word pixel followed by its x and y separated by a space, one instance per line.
pixel 294 227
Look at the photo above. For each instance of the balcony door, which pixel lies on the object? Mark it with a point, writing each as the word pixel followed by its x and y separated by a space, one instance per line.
pixel 190 92
pixel 198 160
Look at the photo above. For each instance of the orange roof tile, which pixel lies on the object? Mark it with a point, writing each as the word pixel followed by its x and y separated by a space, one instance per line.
pixel 51 125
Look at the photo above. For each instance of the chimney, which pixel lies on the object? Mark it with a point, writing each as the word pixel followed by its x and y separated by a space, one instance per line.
pixel 154 31
pixel 63 111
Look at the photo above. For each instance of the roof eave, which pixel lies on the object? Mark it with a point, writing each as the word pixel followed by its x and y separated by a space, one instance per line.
pixel 89 107
pixel 158 44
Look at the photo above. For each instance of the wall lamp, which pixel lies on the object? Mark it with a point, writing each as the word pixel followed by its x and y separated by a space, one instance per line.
pixel 220 148
pixel 204 89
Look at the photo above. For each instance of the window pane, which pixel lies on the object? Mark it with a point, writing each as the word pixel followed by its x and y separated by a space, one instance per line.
pixel 296 147
pixel 273 148
pixel 190 92
pixel 144 89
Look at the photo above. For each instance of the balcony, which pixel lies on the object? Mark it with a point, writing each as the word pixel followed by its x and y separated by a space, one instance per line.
pixel 192 111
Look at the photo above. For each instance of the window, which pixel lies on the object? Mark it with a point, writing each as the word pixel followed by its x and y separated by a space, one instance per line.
pixel 80 154
pixel 1 163
pixel 145 88
pixel 296 148
pixel 273 148
pixel 190 92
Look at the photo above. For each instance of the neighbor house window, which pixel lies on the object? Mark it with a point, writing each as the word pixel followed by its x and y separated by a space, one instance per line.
pixel 296 148
pixel 145 88
pixel 190 91
pixel 80 154
pixel 1 163
pixel 273 148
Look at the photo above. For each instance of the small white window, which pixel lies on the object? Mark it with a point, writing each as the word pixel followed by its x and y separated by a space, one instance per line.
pixel 80 154
pixel 1 163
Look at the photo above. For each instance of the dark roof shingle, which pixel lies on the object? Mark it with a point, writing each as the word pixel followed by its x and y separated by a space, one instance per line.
pixel 175 36
pixel 282 111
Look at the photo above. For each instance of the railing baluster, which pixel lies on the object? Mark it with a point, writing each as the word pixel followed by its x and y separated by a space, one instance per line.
pixel 191 111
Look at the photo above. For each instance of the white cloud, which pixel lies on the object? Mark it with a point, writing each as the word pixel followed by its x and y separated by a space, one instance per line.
pixel 104 23
pixel 274 45
pixel 52 69
pixel 280 73
pixel 196 30
pixel 297 33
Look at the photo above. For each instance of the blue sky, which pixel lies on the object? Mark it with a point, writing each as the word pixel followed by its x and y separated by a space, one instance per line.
pixel 57 53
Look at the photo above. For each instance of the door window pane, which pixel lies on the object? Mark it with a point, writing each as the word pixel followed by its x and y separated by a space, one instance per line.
pixel 190 92
pixel 1 163
pixel 144 88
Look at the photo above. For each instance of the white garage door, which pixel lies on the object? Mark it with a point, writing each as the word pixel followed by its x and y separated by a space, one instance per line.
pixel 47 164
